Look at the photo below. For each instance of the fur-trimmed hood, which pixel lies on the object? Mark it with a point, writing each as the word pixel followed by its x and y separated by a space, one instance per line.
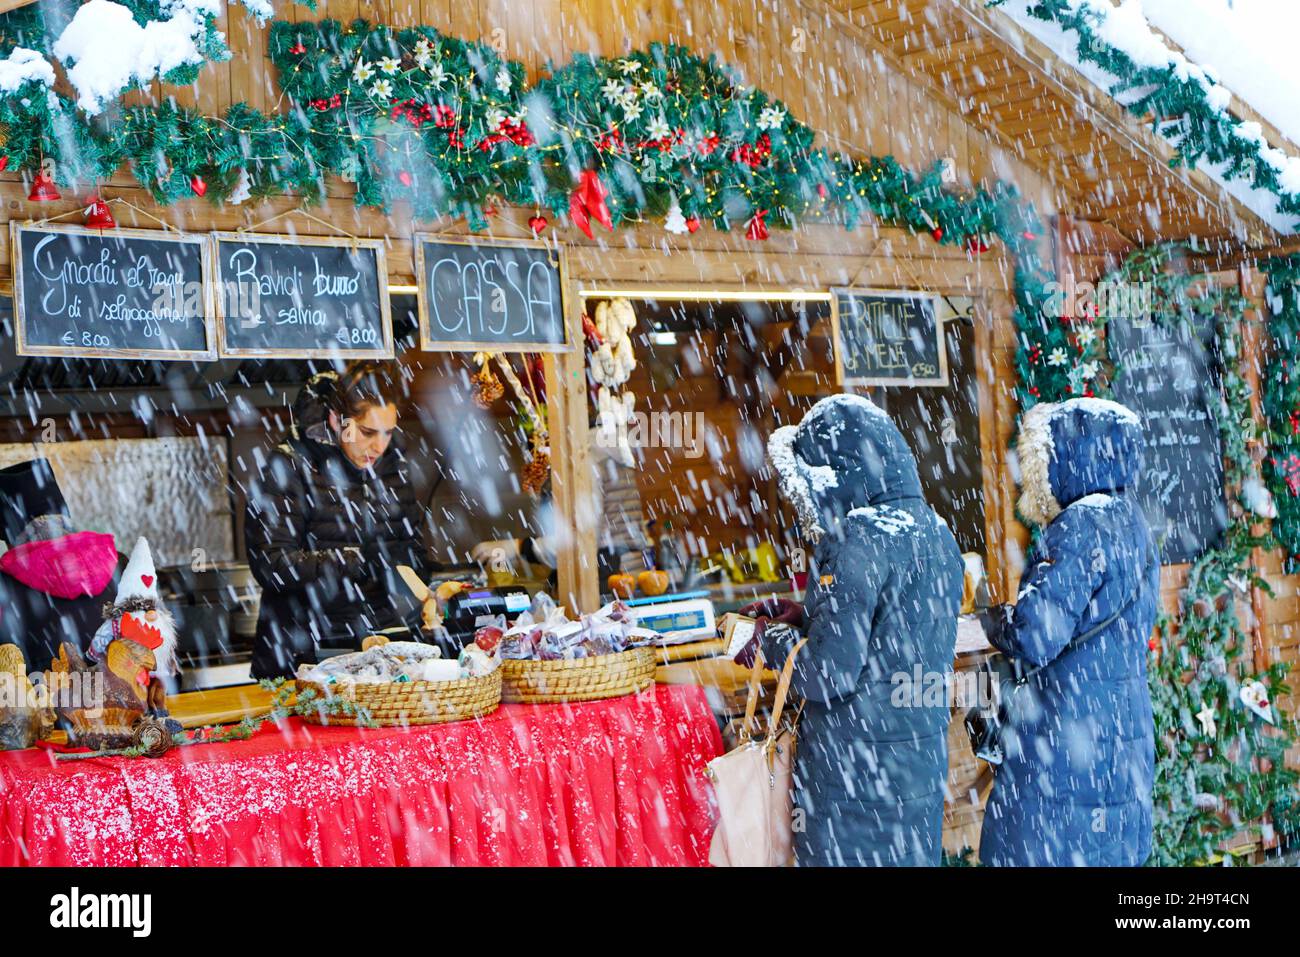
pixel 1075 448
pixel 846 453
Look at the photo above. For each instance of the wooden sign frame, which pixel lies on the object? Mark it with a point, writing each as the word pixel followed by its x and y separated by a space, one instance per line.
pixel 21 345
pixel 278 239
pixel 941 380
pixel 555 248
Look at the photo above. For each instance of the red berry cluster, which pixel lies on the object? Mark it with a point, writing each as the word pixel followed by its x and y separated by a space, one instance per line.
pixel 444 116
pixel 663 143
pixel 611 142
pixel 322 104
pixel 754 155
pixel 517 133
pixel 708 144
pixel 298 49
pixel 417 116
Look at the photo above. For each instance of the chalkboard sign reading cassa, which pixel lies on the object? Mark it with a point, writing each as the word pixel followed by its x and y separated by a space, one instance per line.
pixel 302 297
pixel 888 338
pixel 1169 378
pixel 494 295
pixel 125 293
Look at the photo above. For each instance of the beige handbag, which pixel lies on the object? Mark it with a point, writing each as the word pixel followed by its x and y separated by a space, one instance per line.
pixel 753 785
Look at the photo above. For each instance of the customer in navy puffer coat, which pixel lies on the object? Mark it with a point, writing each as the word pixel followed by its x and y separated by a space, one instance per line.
pixel 884 593
pixel 1075 786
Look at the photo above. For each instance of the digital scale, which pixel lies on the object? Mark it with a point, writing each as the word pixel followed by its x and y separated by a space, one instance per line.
pixel 680 618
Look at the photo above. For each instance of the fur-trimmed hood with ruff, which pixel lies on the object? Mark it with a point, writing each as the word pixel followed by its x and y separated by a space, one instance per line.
pixel 1075 448
pixel 846 453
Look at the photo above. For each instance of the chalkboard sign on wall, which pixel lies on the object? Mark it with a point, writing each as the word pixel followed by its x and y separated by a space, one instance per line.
pixel 302 297
pixel 1168 377
pixel 127 293
pixel 495 295
pixel 888 338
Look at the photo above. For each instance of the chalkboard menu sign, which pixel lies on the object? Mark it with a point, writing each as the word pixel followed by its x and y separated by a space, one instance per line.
pixel 125 293
pixel 302 297
pixel 888 338
pixel 494 295
pixel 1169 378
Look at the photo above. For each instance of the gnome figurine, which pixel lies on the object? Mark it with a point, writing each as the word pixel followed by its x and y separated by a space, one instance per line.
pixel 138 617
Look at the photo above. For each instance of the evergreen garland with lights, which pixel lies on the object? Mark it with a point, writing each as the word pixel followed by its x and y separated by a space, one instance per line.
pixel 1282 403
pixel 1177 104
pixel 1210 785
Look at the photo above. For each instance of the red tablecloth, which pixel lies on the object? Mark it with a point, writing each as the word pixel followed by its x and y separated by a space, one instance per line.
pixel 609 782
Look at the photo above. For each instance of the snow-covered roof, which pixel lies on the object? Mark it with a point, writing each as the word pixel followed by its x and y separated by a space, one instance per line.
pixel 1232 49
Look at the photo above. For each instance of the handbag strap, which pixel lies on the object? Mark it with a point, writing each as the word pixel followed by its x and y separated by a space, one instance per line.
pixel 751 703
pixel 783 689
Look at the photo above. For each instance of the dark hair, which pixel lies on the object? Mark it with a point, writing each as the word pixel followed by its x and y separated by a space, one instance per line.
pixel 364 384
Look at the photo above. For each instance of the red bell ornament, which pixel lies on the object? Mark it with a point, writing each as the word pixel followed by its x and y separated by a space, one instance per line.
pixel 43 189
pixel 99 216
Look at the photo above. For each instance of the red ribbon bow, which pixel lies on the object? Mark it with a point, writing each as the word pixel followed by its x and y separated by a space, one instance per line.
pixel 587 202
pixel 757 229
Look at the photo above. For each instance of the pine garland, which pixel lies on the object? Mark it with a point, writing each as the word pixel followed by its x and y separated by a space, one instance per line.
pixel 1210 788
pixel 1178 104
pixel 1282 403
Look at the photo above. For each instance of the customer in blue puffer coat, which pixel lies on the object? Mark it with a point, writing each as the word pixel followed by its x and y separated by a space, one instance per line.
pixel 1075 785
pixel 884 593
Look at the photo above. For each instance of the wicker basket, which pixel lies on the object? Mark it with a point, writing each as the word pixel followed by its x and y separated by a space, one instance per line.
pixel 397 704
pixel 581 679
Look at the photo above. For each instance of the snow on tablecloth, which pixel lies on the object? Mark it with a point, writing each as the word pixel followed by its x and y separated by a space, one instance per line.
pixel 601 783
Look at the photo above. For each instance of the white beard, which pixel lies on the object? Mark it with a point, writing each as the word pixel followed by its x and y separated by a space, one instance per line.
pixel 165 654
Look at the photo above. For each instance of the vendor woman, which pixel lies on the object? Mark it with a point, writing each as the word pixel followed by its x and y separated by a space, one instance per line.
pixel 330 515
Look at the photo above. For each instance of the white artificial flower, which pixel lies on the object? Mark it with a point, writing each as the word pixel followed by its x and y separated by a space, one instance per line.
pixel 437 74
pixel 628 66
pixel 423 46
pixel 1089 370
pixel 631 109
pixel 494 118
pixel 388 65
pixel 518 118
pixel 771 118
pixel 658 129
pixel 650 91
pixel 422 58
pixel 382 89
pixel 362 71
pixel 1057 357
pixel 503 81
pixel 1086 335
pixel 612 91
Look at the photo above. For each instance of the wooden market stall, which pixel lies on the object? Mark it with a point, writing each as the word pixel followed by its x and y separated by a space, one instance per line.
pixel 927 81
